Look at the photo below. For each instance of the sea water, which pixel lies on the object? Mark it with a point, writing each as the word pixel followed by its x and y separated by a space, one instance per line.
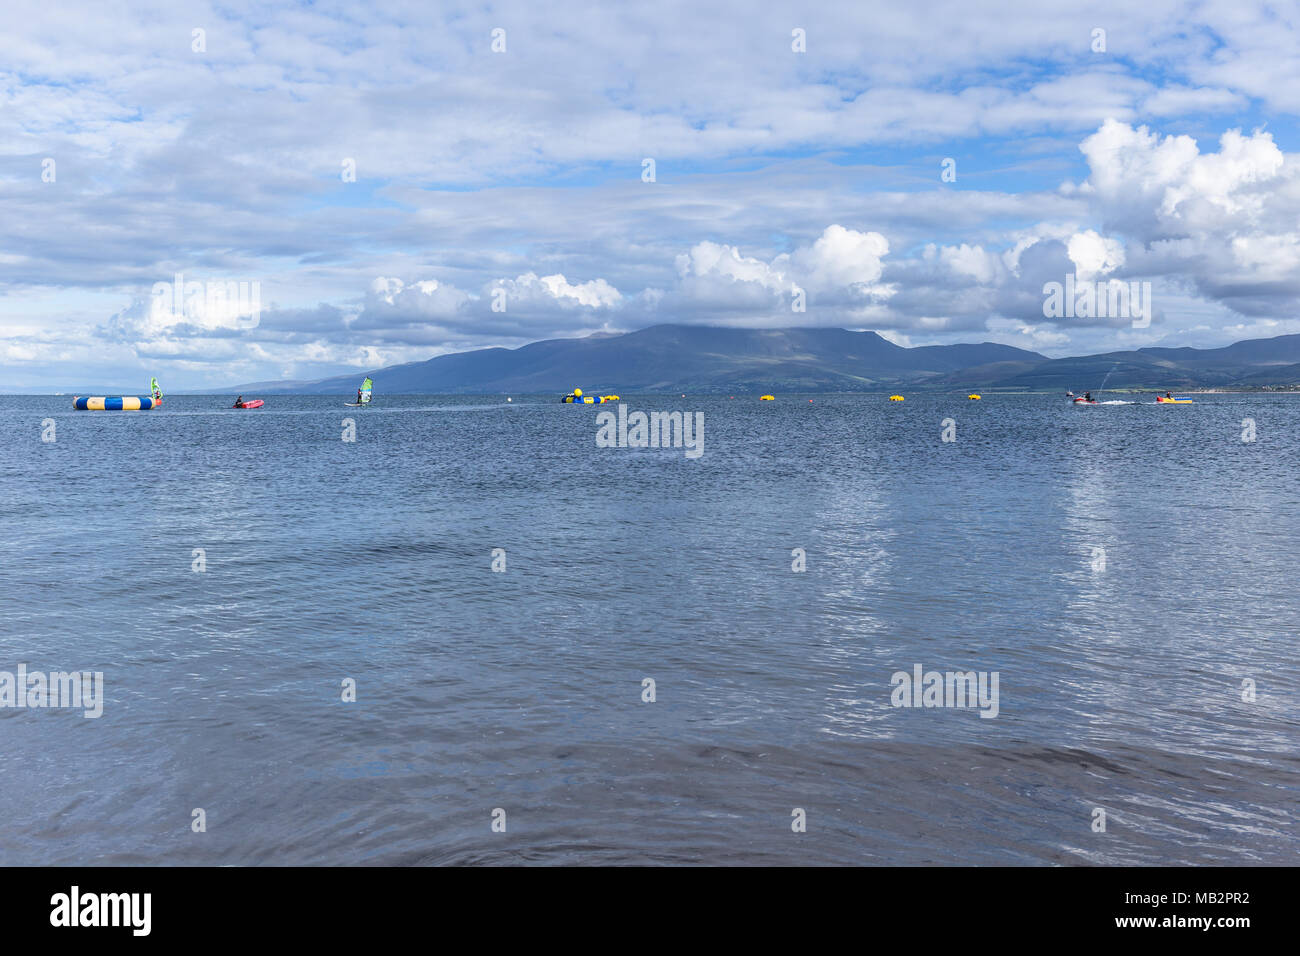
pixel 473 635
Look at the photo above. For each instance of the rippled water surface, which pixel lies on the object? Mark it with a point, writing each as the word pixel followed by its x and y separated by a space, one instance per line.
pixel 1120 687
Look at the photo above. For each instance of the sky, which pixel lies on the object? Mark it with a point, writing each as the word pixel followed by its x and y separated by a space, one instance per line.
pixel 239 192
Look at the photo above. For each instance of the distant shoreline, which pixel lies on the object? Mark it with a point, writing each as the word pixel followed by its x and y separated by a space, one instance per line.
pixel 716 393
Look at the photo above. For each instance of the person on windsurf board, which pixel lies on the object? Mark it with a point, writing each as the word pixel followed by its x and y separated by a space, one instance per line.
pixel 364 394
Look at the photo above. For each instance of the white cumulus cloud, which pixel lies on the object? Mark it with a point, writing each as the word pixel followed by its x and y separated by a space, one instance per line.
pixel 1094 254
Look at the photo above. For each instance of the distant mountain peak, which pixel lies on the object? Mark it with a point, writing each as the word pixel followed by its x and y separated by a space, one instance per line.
pixel 701 358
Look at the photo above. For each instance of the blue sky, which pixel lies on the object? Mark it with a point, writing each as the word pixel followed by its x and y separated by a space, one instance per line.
pixel 218 141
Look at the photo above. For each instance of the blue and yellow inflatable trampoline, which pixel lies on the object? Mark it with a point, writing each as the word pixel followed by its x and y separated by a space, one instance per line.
pixel 114 403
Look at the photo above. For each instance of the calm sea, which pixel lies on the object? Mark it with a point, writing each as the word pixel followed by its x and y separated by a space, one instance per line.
pixel 1128 572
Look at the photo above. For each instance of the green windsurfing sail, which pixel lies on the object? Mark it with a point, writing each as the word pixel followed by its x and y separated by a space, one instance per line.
pixel 154 390
pixel 366 388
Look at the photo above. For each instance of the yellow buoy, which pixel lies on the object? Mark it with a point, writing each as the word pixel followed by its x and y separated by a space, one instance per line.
pixel 973 398
pixel 896 398
pixel 578 392
pixel 767 398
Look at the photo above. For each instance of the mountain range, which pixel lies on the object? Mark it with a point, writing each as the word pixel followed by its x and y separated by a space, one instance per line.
pixel 665 358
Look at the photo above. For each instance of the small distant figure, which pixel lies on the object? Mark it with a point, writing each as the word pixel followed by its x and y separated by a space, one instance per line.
pixel 1087 396
pixel 358 396
pixel 239 402
pixel 1167 395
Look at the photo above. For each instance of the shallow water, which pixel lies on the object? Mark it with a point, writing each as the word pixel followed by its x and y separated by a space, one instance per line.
pixel 1120 687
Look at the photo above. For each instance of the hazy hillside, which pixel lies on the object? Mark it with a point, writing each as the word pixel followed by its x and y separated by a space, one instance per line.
pixel 677 357
pixel 684 358
pixel 1250 363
